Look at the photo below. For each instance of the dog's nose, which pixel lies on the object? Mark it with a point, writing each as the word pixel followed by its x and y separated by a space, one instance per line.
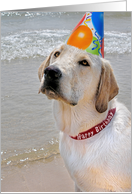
pixel 52 72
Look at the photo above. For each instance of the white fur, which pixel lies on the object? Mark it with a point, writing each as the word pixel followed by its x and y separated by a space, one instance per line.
pixel 100 163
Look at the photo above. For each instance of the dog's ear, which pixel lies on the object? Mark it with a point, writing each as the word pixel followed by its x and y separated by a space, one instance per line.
pixel 107 87
pixel 43 66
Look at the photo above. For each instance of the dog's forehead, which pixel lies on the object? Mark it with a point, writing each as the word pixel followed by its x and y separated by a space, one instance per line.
pixel 73 53
pixel 79 53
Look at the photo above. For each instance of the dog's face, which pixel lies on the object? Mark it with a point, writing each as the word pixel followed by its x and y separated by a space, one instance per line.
pixel 71 75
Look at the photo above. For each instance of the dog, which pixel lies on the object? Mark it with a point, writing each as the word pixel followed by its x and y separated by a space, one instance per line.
pixel 95 129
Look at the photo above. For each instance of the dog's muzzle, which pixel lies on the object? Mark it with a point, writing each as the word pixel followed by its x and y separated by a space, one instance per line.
pixel 52 77
pixel 50 87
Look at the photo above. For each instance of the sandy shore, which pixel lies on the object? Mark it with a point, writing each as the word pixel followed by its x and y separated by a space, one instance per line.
pixel 39 176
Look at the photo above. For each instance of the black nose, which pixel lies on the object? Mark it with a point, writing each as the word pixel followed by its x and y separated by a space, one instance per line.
pixel 52 72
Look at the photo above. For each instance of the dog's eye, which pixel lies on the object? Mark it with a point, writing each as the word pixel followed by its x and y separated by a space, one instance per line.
pixel 84 63
pixel 57 54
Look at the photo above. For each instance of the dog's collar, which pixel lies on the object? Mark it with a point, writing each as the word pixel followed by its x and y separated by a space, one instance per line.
pixel 96 129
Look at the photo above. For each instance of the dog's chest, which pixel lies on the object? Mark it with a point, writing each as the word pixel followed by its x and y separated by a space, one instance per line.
pixel 82 164
pixel 90 165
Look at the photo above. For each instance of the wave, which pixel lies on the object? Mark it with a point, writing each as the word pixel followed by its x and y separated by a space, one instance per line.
pixel 39 43
pixel 30 14
pixel 29 44
pixel 15 157
pixel 117 42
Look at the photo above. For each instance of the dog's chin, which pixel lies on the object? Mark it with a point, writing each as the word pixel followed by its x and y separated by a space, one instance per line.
pixel 49 92
pixel 52 94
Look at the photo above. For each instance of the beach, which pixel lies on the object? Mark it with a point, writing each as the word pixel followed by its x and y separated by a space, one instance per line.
pixel 30 157
pixel 39 176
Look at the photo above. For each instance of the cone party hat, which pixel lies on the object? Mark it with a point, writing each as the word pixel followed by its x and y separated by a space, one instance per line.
pixel 89 34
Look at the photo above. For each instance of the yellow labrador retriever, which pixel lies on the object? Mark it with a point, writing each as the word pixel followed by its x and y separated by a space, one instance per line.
pixel 95 129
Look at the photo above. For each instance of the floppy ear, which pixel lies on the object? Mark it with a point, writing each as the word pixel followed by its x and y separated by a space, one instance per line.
pixel 107 88
pixel 43 66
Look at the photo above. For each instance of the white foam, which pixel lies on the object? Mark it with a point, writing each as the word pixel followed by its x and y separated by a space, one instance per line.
pixel 32 44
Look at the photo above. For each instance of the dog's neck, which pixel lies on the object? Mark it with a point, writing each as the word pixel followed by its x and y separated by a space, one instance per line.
pixel 75 119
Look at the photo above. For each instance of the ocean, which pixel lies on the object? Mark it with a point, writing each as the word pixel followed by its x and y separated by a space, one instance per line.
pixel 28 130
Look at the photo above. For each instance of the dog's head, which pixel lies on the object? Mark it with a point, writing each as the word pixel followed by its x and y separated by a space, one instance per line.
pixel 71 75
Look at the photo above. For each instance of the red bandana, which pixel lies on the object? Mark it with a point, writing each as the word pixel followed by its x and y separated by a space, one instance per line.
pixel 94 130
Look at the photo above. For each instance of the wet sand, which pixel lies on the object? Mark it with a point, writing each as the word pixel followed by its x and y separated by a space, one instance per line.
pixel 40 176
